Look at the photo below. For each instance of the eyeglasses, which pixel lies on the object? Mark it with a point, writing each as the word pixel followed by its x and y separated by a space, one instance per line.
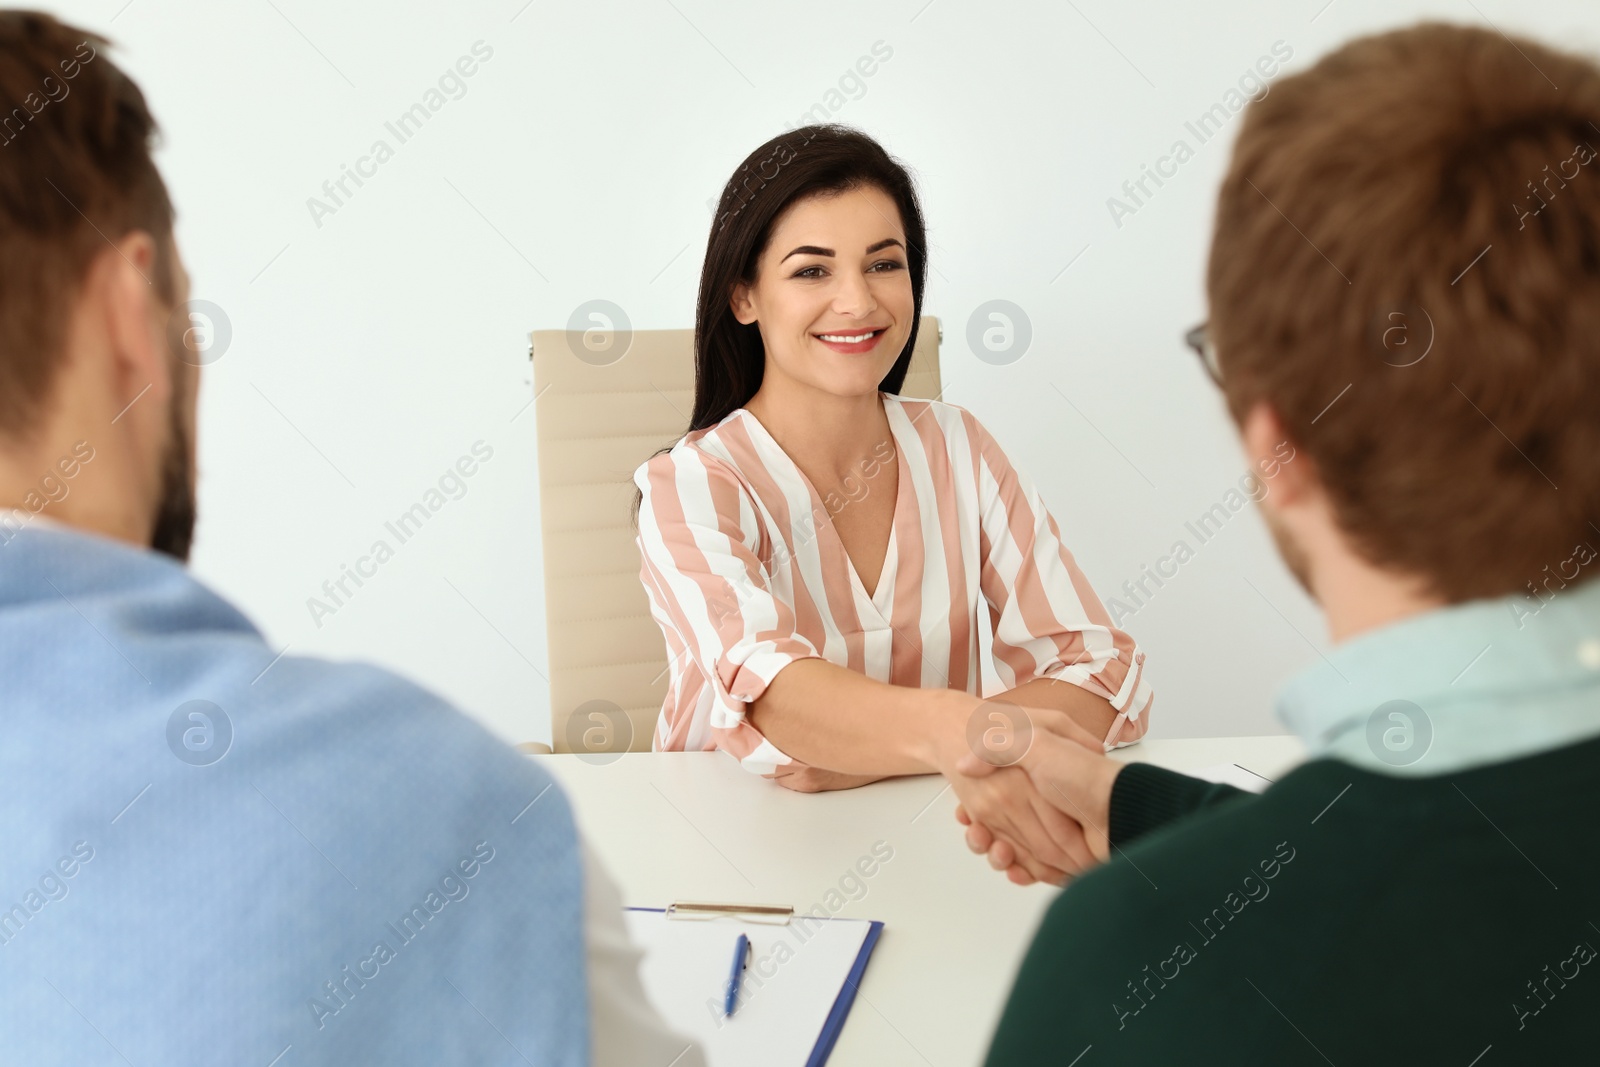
pixel 1199 339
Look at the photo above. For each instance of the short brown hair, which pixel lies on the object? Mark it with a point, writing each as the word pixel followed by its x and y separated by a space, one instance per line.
pixel 1434 186
pixel 75 174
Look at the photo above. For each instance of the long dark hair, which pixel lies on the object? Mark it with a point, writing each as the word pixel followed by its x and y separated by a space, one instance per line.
pixel 729 359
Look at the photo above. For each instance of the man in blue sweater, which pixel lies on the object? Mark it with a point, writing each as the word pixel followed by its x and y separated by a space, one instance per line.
pixel 1405 286
pixel 212 853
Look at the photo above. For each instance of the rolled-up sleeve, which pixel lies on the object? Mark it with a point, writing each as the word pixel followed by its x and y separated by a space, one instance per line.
pixel 1048 621
pixel 699 543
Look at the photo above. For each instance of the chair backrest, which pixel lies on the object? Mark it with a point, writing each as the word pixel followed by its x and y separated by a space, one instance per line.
pixel 605 401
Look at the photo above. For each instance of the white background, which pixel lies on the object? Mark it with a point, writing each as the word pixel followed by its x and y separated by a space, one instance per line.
pixel 370 352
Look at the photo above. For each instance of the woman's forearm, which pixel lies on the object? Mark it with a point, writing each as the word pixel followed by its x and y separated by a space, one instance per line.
pixel 829 716
pixel 1093 713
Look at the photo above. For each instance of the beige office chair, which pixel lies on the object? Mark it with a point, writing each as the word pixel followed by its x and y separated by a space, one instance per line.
pixel 599 417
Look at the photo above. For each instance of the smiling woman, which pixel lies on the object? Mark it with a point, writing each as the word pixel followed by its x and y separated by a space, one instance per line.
pixel 820 552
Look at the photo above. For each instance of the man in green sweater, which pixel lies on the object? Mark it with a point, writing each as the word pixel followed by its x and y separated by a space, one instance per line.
pixel 1405 286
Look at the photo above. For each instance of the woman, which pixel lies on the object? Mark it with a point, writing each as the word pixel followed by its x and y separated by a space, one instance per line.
pixel 819 552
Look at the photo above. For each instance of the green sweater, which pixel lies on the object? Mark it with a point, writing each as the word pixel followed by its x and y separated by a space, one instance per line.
pixel 1342 917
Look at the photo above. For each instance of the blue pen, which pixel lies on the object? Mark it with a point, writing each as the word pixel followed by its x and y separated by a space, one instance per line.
pixel 741 960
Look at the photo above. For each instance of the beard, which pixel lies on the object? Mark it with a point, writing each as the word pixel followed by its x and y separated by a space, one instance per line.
pixel 175 515
pixel 1294 557
pixel 173 530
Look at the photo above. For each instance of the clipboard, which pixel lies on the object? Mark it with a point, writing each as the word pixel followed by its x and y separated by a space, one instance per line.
pixel 809 1007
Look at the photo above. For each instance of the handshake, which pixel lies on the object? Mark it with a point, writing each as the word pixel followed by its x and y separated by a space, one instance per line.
pixel 1034 786
pixel 1034 790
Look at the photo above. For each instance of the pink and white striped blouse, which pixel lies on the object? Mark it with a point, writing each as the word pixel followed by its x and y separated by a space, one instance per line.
pixel 746 574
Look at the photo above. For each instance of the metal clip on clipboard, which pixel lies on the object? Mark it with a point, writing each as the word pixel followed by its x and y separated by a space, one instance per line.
pixel 777 914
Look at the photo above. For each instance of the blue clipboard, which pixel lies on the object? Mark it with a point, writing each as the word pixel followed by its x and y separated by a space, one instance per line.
pixel 846 998
pixel 842 1003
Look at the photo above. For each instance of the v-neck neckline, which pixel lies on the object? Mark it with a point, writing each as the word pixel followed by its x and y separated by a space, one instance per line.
pixel 882 593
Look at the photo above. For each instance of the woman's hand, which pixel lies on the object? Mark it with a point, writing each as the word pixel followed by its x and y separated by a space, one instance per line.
pixel 1037 842
pixel 1001 855
pixel 1066 764
pixel 804 779
pixel 1045 845
pixel 1024 833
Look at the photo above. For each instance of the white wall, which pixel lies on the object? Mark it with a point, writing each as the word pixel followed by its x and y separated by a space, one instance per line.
pixel 374 346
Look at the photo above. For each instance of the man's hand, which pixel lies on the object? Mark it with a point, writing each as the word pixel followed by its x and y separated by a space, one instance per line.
pixel 1068 769
pixel 1042 845
pixel 805 779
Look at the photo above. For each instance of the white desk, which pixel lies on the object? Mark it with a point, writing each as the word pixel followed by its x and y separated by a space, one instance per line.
pixel 694 826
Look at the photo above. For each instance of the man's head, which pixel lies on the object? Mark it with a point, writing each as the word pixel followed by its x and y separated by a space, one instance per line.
pixel 94 356
pixel 1405 283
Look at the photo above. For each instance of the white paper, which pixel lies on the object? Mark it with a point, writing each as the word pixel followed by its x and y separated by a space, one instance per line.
pixel 1232 774
pixel 795 974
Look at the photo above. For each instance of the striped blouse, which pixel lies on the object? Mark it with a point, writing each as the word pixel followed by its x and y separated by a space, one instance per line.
pixel 745 575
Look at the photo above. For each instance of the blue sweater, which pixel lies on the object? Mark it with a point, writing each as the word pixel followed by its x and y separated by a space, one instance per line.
pixel 212 855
